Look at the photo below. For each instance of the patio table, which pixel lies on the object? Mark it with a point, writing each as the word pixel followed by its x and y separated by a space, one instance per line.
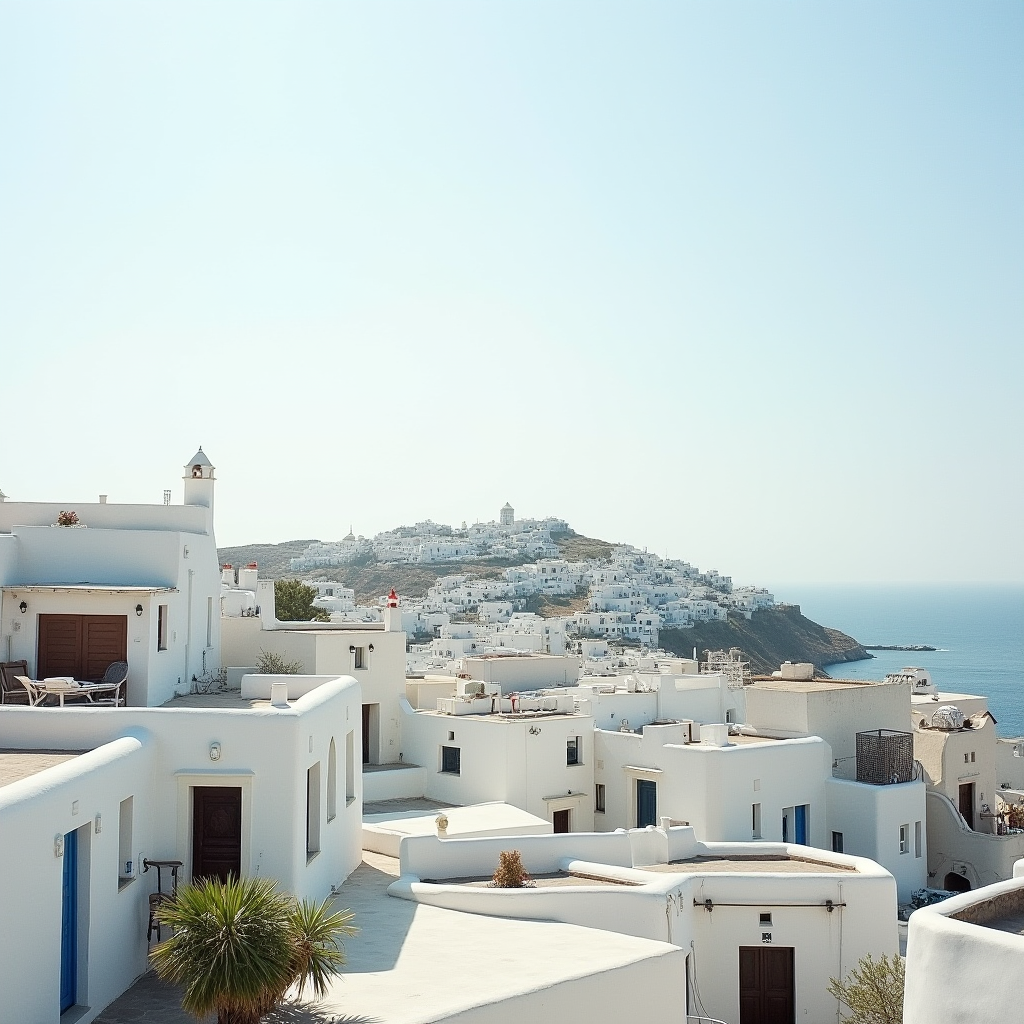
pixel 60 686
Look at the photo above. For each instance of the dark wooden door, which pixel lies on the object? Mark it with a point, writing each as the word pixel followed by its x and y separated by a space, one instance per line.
pixel 967 802
pixel 646 803
pixel 82 646
pixel 561 820
pixel 767 992
pixel 366 734
pixel 216 832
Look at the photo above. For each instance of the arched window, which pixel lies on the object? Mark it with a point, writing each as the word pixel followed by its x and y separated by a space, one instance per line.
pixel 332 782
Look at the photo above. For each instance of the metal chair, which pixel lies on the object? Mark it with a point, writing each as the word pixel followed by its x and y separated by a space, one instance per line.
pixel 158 897
pixel 11 691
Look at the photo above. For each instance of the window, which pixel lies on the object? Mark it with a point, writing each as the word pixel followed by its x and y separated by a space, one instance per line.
pixel 755 821
pixel 837 842
pixel 972 757
pixel 904 838
pixel 599 798
pixel 967 758
pixel 313 811
pixel 359 658
pixel 730 715
pixel 209 622
pixel 125 867
pixel 332 782
pixel 574 750
pixel 350 767
pixel 766 920
pixel 451 760
pixel 161 628
pixel 917 839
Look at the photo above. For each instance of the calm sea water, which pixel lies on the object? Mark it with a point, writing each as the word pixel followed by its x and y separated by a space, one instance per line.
pixel 978 628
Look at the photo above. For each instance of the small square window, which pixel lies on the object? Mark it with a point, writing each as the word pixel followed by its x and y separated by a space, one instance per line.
pixel 766 920
pixel 161 628
pixel 451 735
pixel 574 750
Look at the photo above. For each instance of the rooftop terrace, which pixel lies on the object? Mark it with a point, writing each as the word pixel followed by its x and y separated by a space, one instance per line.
pixel 21 764
pixel 768 864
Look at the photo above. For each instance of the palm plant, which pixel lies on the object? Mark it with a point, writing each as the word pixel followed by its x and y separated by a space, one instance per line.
pixel 239 946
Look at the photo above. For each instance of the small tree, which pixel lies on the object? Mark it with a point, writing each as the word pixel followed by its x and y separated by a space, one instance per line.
pixel 510 873
pixel 873 991
pixel 270 664
pixel 293 602
pixel 238 947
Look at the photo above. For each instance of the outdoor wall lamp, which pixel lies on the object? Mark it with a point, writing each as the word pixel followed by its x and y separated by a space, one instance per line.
pixel 58 845
pixel 352 649
pixel 371 648
pixel 138 610
pixel 214 751
pixel 23 607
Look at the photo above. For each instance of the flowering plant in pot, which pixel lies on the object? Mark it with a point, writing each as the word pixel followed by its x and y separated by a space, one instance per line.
pixel 68 519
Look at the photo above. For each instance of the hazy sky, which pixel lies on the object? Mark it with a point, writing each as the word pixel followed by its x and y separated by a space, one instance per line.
pixel 738 282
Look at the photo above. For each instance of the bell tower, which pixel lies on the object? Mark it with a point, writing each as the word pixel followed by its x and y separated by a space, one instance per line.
pixel 199 480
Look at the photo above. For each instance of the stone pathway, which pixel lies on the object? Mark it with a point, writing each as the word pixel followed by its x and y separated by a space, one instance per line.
pixel 151 1001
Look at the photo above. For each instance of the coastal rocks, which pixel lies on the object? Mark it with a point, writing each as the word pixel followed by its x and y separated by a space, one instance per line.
pixel 767 639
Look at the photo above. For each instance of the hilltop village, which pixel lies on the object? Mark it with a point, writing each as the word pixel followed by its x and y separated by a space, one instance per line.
pixel 627 596
pixel 706 843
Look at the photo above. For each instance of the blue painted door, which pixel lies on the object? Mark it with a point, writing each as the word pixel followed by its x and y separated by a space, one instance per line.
pixel 646 803
pixel 69 924
pixel 800 814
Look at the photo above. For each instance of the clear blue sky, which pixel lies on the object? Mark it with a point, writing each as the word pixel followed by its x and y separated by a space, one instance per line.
pixel 738 282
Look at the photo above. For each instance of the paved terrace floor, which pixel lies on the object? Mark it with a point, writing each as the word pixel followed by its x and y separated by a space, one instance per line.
pixel 20 764
pixel 414 964
pixel 746 865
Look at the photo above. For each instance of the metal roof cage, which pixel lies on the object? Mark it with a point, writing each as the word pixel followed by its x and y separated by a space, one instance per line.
pixel 885 757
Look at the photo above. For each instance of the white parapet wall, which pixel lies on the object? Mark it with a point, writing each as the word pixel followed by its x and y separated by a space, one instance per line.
pixel 964 958
pixel 830 909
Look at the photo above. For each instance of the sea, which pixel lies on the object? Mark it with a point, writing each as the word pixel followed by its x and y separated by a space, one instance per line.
pixel 978 630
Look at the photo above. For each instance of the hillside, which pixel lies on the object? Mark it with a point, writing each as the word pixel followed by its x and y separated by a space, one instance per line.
pixel 767 639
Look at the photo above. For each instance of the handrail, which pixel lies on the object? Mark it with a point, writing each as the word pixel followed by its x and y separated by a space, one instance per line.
pixel 709 1020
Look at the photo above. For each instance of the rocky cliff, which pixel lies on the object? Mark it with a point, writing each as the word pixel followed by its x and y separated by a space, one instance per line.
pixel 767 639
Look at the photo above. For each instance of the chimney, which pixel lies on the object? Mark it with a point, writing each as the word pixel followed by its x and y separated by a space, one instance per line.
pixel 103 499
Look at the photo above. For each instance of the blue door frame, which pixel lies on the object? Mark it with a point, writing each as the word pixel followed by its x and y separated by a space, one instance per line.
pixel 800 814
pixel 646 803
pixel 69 924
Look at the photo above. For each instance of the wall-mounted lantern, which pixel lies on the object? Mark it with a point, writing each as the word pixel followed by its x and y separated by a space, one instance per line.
pixel 138 610
pixel 351 648
pixel 214 751
pixel 371 648
pixel 58 845
pixel 98 824
pixel 23 607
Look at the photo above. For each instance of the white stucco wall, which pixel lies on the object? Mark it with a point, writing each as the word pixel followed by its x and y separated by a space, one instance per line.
pixel 503 760
pixel 962 971
pixel 156 755
pixel 869 818
pixel 714 788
